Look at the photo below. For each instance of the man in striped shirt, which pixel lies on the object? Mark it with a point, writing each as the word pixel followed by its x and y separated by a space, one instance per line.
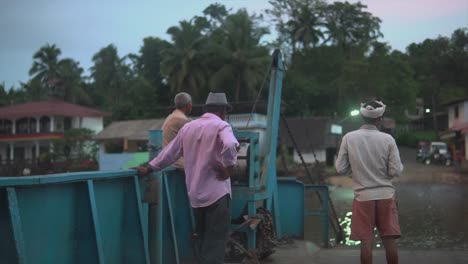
pixel 373 159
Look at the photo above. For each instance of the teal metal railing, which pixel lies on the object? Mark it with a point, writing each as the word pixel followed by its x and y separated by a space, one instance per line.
pixel 294 213
pixel 89 217
pixel 323 212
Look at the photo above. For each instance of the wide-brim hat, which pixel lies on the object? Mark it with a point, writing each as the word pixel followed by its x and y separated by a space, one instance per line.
pixel 218 99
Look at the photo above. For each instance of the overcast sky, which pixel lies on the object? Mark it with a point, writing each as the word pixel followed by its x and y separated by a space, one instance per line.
pixel 81 27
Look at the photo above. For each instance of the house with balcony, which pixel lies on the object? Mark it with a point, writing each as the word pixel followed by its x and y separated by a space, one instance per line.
pixel 28 129
pixel 458 126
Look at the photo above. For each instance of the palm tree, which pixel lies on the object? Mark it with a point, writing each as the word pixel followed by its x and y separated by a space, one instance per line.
pixel 45 65
pixel 347 24
pixel 299 22
pixel 306 27
pixel 3 95
pixel 183 61
pixel 60 78
pixel 110 74
pixel 35 90
pixel 242 61
pixel 72 86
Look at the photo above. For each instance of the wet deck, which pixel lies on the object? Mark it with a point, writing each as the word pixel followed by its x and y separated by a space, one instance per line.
pixel 301 252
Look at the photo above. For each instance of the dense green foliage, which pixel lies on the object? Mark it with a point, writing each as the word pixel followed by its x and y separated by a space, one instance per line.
pixel 334 60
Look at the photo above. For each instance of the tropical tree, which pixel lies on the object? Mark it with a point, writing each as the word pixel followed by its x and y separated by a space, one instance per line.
pixel 34 90
pixel 109 73
pixel 148 66
pixel 51 76
pixel 3 95
pixel 183 60
pixel 298 22
pixel 240 61
pixel 11 96
pixel 141 98
pixel 440 67
pixel 45 65
pixel 350 25
pixel 214 15
pixel 307 28
pixel 71 84
pixel 383 74
pixel 148 61
pixel 76 142
pixel 458 65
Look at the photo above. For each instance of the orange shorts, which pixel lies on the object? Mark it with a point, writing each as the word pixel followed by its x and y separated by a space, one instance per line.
pixel 367 215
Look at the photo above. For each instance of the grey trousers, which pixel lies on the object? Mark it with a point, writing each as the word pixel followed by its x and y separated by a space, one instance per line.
pixel 212 230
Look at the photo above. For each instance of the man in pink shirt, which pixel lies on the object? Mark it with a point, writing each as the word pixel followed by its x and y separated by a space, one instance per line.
pixel 209 149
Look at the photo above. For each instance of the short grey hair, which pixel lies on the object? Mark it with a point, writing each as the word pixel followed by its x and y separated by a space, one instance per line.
pixel 182 99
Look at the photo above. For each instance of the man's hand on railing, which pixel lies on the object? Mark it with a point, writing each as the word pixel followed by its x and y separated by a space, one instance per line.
pixel 143 171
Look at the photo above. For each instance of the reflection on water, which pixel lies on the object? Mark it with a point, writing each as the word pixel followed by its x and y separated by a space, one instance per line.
pixel 346 225
pixel 431 216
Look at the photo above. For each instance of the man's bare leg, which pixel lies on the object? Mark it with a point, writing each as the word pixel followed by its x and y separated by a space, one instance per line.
pixel 391 250
pixel 366 251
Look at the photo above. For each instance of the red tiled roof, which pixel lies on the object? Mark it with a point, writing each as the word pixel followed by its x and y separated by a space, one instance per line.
pixel 50 108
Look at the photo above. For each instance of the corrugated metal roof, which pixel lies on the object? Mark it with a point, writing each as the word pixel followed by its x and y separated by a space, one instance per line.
pixel 48 108
pixel 132 129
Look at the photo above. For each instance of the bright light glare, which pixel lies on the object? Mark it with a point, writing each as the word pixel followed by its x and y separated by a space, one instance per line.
pixel 354 112
pixel 428 110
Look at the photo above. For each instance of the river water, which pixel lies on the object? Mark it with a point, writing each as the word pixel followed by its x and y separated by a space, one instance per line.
pixel 431 215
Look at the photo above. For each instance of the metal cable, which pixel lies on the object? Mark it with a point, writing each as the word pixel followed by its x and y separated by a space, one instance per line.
pixel 258 95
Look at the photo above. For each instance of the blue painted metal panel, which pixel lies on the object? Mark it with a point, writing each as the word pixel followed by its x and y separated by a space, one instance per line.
pixel 97 226
pixel 155 143
pixel 63 178
pixel 323 212
pixel 120 227
pixel 183 211
pixel 91 217
pixel 16 224
pixel 143 222
pixel 53 222
pixel 291 205
pixel 57 224
pixel 174 224
pixel 165 245
pixel 7 243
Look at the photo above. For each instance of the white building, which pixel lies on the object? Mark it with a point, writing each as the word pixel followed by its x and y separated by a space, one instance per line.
pixel 27 130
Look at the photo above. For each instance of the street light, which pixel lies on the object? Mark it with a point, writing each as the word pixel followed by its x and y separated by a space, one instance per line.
pixel 428 110
pixel 351 114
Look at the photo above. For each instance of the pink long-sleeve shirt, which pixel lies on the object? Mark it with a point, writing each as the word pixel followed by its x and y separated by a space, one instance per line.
pixel 206 144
